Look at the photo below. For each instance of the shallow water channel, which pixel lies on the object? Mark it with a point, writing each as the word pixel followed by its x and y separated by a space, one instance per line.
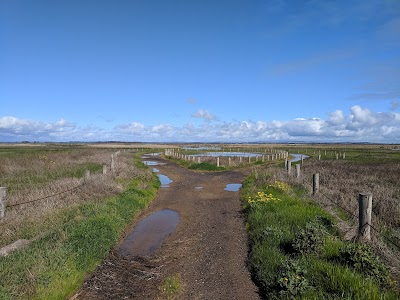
pixel 149 233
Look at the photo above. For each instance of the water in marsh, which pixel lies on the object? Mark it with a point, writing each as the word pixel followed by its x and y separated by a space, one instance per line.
pixel 297 157
pixel 228 154
pixel 149 233
pixel 165 180
pixel 233 187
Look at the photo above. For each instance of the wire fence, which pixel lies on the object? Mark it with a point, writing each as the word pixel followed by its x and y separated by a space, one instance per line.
pixel 350 213
pixel 84 180
pixel 46 197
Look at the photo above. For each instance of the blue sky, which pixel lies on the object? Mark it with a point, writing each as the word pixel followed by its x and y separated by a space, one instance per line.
pixel 204 71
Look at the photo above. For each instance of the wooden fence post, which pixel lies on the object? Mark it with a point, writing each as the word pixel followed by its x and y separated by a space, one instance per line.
pixel 87 175
pixel 298 171
pixel 218 161
pixel 112 163
pixel 3 196
pixel 104 169
pixel 364 216
pixel 315 183
pixel 289 167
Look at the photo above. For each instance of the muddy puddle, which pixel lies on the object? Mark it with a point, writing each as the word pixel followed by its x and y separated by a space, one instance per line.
pixel 198 188
pixel 165 180
pixel 149 233
pixel 155 170
pixel 233 187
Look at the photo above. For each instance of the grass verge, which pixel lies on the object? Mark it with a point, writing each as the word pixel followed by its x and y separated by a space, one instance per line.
pixel 55 265
pixel 296 252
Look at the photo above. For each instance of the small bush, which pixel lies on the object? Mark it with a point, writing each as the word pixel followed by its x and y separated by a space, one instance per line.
pixel 362 258
pixel 291 279
pixel 311 239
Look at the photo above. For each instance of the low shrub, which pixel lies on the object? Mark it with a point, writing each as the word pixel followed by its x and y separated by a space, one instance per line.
pixel 363 259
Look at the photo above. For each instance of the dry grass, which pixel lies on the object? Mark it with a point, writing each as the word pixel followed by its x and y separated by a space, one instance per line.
pixel 34 175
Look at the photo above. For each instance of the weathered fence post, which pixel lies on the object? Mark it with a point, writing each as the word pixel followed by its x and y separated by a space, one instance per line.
pixel 286 163
pixel 87 175
pixel 364 216
pixel 112 163
pixel 298 171
pixel 104 169
pixel 218 161
pixel 289 167
pixel 3 196
pixel 198 159
pixel 344 155
pixel 315 183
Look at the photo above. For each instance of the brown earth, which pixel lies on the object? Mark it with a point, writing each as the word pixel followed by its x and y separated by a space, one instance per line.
pixel 207 251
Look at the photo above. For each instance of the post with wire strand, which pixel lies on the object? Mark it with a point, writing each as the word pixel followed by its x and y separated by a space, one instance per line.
pixel 364 216
pixel 315 186
pixel 3 195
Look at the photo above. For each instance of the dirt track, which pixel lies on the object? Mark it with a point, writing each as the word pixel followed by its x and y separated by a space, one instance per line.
pixel 208 249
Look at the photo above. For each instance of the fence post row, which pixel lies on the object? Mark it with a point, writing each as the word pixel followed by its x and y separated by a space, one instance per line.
pixel 3 196
pixel 364 216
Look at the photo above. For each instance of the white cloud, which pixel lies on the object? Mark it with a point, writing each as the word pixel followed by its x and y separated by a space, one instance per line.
pixel 204 114
pixel 359 125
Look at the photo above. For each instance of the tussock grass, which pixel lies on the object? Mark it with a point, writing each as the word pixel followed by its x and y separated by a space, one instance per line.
pixel 74 234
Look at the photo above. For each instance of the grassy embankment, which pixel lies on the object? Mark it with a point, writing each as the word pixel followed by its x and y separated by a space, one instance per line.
pixel 296 252
pixel 75 236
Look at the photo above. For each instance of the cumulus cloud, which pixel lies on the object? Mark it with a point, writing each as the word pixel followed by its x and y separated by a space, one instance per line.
pixel 358 125
pixel 204 114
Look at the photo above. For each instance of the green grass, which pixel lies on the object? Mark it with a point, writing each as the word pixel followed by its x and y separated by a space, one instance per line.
pixel 279 228
pixel 171 287
pixel 73 242
pixel 206 167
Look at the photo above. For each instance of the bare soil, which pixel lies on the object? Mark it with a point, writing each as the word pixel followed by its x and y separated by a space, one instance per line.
pixel 208 249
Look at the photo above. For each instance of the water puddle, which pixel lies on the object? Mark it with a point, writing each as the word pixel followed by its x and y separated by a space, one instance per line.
pixel 150 163
pixel 149 233
pixel 297 157
pixel 228 154
pixel 155 170
pixel 165 180
pixel 233 187
pixel 198 188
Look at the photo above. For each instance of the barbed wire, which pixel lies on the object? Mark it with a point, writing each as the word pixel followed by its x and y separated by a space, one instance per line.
pixel 49 196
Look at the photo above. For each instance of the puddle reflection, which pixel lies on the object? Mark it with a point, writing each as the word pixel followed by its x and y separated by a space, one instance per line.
pixel 149 233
